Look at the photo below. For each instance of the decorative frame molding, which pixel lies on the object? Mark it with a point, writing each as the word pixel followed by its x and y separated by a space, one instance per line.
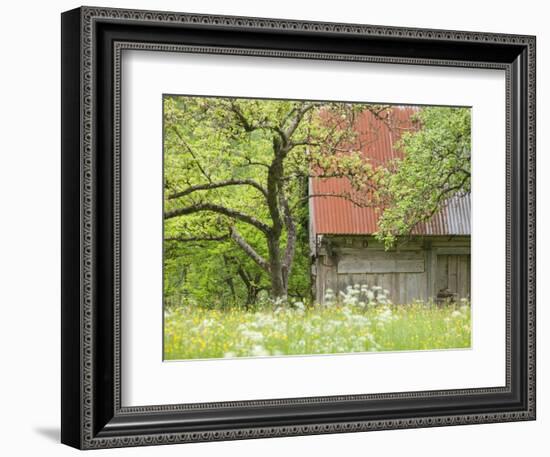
pixel 92 413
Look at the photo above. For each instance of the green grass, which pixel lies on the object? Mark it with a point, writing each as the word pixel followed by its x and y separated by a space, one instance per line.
pixel 198 333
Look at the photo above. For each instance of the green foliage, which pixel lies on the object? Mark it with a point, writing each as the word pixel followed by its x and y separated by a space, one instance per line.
pixel 236 192
pixel 435 166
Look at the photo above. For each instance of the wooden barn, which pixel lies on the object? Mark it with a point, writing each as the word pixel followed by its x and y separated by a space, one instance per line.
pixel 433 263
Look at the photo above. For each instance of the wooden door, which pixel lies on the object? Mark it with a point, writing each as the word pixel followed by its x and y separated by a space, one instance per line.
pixel 453 273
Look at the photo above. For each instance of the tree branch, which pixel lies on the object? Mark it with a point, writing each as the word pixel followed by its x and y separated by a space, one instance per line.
pixel 249 127
pixel 235 214
pixel 244 276
pixel 297 119
pixel 189 239
pixel 441 201
pixel 249 250
pixel 192 153
pixel 345 196
pixel 216 185
pixel 251 162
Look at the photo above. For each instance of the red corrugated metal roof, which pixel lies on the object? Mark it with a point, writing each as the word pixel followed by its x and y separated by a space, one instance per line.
pixel 333 215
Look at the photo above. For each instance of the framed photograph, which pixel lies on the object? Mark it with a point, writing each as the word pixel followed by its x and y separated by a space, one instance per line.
pixel 275 227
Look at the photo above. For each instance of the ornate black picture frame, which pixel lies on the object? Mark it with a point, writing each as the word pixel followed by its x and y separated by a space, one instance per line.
pixel 92 42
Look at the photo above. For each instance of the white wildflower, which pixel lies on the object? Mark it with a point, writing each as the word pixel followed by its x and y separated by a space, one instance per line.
pixel 350 301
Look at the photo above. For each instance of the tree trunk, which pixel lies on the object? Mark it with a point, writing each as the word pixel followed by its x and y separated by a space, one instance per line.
pixel 274 187
pixel 278 287
pixel 276 269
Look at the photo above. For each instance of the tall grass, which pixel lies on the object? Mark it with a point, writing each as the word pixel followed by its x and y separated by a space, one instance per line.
pixel 198 333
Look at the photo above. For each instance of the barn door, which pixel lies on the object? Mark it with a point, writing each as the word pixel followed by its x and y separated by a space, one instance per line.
pixel 453 273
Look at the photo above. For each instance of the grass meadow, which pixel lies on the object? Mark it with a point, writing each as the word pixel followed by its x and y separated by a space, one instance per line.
pixel 192 332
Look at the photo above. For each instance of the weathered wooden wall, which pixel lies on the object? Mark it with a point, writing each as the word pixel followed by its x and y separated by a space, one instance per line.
pixel 416 270
pixel 453 273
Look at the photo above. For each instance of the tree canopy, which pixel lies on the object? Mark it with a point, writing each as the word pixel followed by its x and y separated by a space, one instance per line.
pixel 236 176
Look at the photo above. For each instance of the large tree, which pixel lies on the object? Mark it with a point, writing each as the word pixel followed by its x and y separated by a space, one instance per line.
pixel 238 170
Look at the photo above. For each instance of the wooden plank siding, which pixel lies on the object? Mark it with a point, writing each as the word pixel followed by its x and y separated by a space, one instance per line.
pixel 416 270
pixel 454 274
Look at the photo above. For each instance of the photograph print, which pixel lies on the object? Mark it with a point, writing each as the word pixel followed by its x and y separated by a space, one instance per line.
pixel 306 227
